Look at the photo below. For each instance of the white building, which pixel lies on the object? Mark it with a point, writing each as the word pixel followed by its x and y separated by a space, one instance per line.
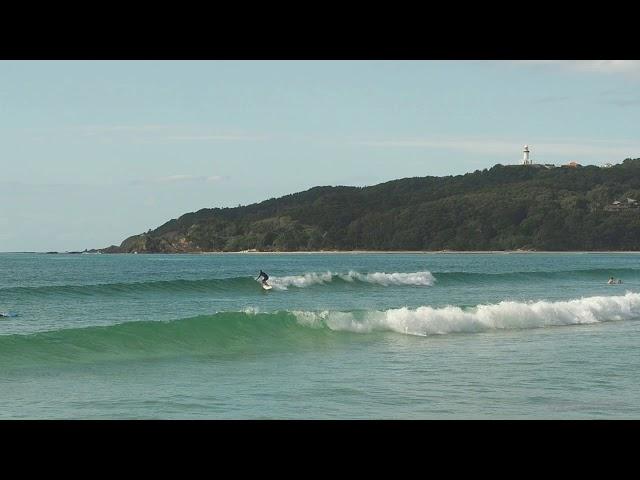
pixel 525 159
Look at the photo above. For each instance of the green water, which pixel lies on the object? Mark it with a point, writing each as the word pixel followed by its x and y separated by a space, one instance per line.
pixel 339 336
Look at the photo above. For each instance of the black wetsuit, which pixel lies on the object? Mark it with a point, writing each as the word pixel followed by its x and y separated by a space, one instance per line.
pixel 262 274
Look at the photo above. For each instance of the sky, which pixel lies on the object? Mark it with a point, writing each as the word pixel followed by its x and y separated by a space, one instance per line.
pixel 92 152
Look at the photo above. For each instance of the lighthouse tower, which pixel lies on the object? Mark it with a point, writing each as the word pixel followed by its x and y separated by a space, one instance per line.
pixel 525 159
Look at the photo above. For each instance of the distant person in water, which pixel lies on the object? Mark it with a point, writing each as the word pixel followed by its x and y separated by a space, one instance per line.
pixel 266 277
pixel 611 281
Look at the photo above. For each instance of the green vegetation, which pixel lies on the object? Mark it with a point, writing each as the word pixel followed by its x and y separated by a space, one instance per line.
pixel 502 208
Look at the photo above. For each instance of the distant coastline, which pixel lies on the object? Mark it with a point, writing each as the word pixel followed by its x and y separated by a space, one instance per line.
pixel 512 208
pixel 341 252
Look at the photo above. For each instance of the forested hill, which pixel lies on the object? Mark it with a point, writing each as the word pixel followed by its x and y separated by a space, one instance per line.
pixel 502 208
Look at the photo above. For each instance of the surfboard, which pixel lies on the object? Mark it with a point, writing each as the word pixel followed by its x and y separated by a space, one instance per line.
pixel 267 287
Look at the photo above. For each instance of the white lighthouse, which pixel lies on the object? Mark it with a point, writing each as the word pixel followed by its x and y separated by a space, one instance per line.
pixel 525 159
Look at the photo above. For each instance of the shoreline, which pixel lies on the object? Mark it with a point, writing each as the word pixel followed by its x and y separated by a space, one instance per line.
pixel 357 252
pixel 425 252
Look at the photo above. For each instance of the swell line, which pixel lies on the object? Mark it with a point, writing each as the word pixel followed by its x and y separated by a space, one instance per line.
pixel 239 333
pixel 224 284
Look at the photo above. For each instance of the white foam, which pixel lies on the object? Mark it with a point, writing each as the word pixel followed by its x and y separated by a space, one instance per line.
pixel 504 315
pixel 300 281
pixel 380 278
pixel 415 278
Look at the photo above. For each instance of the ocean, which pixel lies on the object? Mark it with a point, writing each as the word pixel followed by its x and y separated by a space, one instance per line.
pixel 340 336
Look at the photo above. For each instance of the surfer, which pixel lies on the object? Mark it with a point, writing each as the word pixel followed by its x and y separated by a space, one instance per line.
pixel 266 277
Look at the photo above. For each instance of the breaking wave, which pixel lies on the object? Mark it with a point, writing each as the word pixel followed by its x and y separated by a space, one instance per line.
pixel 378 278
pixel 427 320
pixel 233 284
pixel 252 331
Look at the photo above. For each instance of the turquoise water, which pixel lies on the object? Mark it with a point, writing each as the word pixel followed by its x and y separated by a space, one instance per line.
pixel 340 336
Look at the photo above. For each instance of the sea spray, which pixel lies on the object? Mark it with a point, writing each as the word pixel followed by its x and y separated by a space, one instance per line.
pixel 427 320
pixel 379 278
pixel 300 281
pixel 385 279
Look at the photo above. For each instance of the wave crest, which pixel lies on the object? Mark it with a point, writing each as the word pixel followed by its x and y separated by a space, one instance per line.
pixel 380 278
pixel 427 320
pixel 236 333
pixel 415 278
pixel 300 281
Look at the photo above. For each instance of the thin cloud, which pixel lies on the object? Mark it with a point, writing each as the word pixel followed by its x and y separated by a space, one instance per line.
pixel 150 132
pixel 631 67
pixel 625 96
pixel 606 66
pixel 551 99
pixel 232 138
pixel 178 179
pixel 625 102
pixel 187 178
pixel 96 129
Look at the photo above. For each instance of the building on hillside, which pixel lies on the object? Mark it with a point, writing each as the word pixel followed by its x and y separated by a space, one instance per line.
pixel 525 159
pixel 618 205
pixel 572 165
pixel 607 165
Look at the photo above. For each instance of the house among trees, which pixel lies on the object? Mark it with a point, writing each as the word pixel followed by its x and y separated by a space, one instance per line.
pixel 618 205
pixel 572 165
